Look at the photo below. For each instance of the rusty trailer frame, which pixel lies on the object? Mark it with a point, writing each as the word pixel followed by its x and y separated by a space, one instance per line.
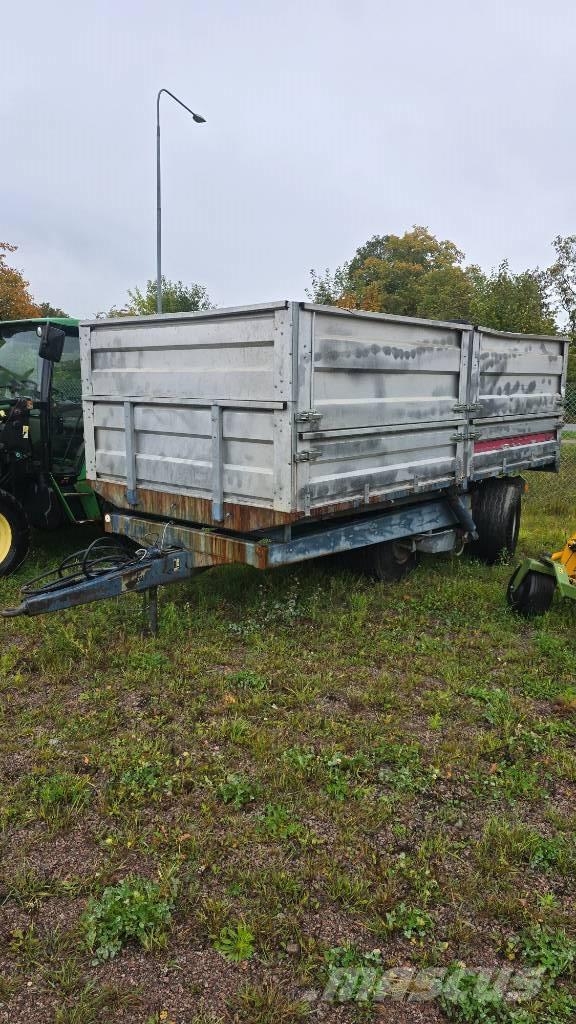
pixel 168 552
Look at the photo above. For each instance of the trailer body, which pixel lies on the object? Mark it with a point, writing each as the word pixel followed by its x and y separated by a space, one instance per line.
pixel 269 435
pixel 256 417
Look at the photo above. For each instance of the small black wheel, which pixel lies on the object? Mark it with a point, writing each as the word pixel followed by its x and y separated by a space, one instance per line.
pixel 496 508
pixel 534 595
pixel 14 534
pixel 388 561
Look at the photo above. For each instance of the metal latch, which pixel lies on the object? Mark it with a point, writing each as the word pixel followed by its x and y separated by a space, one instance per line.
pixel 308 416
pixel 309 456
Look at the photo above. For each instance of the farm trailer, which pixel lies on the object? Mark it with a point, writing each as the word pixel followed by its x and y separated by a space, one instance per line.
pixel 277 433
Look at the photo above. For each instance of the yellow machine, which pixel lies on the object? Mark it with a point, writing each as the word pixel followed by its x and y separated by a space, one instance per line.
pixel 532 585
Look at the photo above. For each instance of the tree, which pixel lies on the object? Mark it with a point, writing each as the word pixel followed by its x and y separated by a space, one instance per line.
pixel 562 277
pixel 562 280
pixel 514 302
pixel 417 274
pixel 176 298
pixel 47 309
pixel 16 303
pixel 414 274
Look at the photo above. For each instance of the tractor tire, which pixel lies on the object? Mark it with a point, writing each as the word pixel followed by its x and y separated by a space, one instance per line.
pixel 388 561
pixel 496 509
pixel 535 594
pixel 14 534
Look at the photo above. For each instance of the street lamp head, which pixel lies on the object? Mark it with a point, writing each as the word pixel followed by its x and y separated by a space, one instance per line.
pixel 199 119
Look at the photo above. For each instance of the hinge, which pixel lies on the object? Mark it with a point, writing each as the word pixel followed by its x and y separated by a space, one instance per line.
pixel 309 456
pixel 308 416
pixel 466 407
pixel 465 435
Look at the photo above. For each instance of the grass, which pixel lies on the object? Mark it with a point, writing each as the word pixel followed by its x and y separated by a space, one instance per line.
pixel 304 772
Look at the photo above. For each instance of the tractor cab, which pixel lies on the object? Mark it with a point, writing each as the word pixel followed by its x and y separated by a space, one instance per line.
pixel 42 478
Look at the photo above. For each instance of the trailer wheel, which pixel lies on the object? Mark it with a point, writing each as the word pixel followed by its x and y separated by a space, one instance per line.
pixel 14 534
pixel 496 508
pixel 388 561
pixel 535 594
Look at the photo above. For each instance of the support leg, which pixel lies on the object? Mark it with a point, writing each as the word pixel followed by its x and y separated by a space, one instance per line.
pixel 151 611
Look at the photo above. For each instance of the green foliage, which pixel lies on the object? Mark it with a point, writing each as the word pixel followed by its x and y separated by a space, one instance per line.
pixel 177 297
pixel 562 279
pixel 562 276
pixel 248 681
pixel 513 302
pixel 551 950
pixel 267 1004
pixel 16 303
pixel 278 822
pixel 237 790
pixel 352 974
pixel 139 781
pixel 235 942
pixel 58 795
pixel 135 908
pixel 47 309
pixel 468 997
pixel 93 1004
pixel 417 274
pixel 412 922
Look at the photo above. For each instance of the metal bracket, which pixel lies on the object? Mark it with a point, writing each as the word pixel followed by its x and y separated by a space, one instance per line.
pixel 310 416
pixel 217 464
pixel 130 448
pixel 466 407
pixel 309 456
pixel 465 435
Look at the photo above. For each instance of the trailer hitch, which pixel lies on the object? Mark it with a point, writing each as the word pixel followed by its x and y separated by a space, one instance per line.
pixel 104 570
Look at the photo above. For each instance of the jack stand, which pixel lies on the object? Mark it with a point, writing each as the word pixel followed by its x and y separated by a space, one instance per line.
pixel 151 611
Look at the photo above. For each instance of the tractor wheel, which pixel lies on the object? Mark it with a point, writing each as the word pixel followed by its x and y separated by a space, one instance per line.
pixel 388 561
pixel 14 534
pixel 534 595
pixel 496 507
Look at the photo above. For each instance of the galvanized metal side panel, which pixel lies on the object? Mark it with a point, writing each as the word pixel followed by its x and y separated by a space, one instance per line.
pixel 216 360
pixel 381 464
pixel 516 396
pixel 506 446
pixel 173 449
pixel 195 405
pixel 518 375
pixel 387 399
pixel 374 372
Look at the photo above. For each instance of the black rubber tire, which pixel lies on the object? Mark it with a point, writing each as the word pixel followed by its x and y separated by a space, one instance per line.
pixel 535 594
pixel 388 561
pixel 496 509
pixel 14 534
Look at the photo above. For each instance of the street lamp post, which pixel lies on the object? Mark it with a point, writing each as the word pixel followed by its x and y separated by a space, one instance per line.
pixel 199 120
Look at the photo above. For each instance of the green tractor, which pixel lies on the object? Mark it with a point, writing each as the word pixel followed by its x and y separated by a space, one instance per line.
pixel 42 470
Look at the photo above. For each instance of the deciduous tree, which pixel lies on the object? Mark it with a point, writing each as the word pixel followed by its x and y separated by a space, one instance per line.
pixel 417 274
pixel 176 298
pixel 16 302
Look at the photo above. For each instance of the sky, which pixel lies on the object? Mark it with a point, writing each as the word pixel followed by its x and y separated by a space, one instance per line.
pixel 327 122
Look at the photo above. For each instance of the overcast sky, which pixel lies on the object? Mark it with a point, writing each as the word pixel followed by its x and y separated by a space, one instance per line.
pixel 327 121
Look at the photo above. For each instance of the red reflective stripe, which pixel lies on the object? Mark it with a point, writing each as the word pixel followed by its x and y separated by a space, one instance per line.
pixel 513 442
